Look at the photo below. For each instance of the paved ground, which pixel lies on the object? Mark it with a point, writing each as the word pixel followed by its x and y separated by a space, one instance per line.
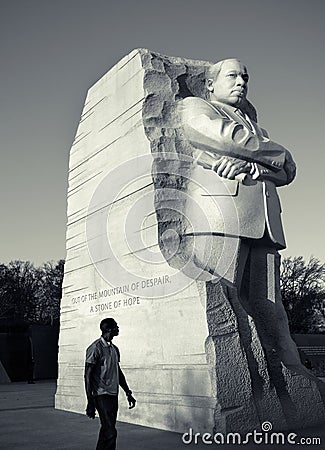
pixel 29 421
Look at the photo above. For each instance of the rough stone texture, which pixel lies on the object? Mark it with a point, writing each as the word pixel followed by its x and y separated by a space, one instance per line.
pixel 191 354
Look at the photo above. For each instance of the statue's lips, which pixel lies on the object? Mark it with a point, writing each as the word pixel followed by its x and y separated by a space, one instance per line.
pixel 239 93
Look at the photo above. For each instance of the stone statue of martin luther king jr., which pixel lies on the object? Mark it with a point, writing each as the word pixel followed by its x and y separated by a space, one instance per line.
pixel 235 175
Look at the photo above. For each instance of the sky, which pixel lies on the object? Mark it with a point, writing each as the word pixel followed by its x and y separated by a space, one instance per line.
pixel 53 51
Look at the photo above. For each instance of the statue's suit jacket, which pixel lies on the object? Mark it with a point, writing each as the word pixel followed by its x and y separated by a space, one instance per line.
pixel 240 207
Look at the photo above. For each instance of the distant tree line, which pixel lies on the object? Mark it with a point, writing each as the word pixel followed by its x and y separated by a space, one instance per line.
pixel 32 294
pixel 29 294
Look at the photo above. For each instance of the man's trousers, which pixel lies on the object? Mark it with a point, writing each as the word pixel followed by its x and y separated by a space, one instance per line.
pixel 107 406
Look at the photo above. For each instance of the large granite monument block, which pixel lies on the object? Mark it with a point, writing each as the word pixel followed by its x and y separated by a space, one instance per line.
pixel 137 219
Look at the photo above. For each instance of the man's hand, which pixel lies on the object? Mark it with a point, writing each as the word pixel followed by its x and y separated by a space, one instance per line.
pixel 91 410
pixel 227 167
pixel 131 399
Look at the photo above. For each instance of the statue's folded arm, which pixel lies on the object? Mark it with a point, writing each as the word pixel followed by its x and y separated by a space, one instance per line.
pixel 207 130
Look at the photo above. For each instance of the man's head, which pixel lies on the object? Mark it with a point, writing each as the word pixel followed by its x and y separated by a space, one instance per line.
pixel 109 328
pixel 227 82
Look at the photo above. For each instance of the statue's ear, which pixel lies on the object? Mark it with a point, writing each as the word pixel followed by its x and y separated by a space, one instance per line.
pixel 209 84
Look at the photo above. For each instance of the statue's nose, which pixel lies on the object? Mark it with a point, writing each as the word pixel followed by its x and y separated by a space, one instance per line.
pixel 241 81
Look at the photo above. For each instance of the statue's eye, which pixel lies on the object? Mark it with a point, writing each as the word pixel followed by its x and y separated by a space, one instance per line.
pixel 232 75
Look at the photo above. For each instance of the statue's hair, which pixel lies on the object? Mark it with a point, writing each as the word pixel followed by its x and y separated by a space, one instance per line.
pixel 214 70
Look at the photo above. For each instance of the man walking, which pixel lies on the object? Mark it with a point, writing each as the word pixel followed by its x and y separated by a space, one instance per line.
pixel 103 376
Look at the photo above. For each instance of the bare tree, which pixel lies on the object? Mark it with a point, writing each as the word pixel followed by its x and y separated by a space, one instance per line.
pixel 49 292
pixel 19 282
pixel 303 294
pixel 29 294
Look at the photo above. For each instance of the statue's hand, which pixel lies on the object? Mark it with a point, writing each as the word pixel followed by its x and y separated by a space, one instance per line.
pixel 227 167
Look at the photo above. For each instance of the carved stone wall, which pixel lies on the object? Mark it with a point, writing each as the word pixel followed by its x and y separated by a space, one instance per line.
pixel 114 267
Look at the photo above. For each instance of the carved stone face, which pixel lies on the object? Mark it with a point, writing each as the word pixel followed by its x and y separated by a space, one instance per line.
pixel 230 85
